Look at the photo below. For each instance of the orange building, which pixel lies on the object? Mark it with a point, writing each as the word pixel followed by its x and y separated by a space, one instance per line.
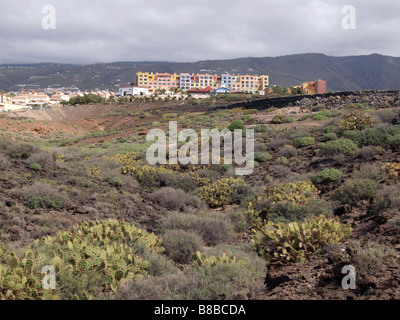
pixel 316 87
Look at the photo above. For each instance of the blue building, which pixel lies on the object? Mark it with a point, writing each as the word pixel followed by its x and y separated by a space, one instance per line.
pixel 222 90
pixel 226 81
pixel 185 81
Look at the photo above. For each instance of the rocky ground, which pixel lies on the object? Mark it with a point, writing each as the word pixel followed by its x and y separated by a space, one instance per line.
pixel 93 132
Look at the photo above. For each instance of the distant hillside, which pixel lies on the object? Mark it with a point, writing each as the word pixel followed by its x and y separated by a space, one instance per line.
pixel 342 73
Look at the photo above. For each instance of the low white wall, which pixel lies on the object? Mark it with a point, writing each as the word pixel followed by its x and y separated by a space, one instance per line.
pixel 12 107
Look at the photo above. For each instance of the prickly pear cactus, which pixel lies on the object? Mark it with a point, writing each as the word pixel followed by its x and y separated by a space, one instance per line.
pixel 220 192
pixel 102 249
pixel 295 242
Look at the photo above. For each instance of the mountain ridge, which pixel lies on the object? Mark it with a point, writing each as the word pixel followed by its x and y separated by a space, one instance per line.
pixel 344 73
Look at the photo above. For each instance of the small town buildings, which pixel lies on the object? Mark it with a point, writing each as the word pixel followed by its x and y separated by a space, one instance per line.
pixel 315 87
pixel 60 96
pixel 187 82
pixel 222 90
pixel 158 80
pixel 133 91
pixel 206 90
pixel 31 99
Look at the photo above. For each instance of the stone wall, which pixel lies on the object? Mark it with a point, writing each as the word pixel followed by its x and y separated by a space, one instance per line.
pixel 330 100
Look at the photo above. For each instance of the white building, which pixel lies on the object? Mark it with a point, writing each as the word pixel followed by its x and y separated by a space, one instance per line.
pixel 133 91
pixel 31 99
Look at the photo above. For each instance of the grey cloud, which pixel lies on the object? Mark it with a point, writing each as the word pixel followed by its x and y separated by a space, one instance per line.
pixel 189 30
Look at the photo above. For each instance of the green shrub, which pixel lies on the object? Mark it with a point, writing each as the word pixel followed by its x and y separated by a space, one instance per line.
pixel 319 117
pixel 282 160
pixel 279 118
pixel 247 118
pixel 295 133
pixel 330 136
pixel 262 156
pixel 237 125
pixel 370 137
pixel 394 140
pixel 327 113
pixel 357 106
pixel 114 181
pixel 303 142
pixel 354 190
pixel 330 129
pixel 328 175
pixel 290 120
pixel 261 128
pixel 35 166
pixel 336 147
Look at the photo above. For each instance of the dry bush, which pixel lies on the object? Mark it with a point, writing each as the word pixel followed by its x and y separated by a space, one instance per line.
pixel 213 228
pixel 43 158
pixel 279 171
pixel 288 151
pixel 4 163
pixel 277 144
pixel 354 190
pixel 21 150
pixel 368 259
pixel 387 198
pixel 173 180
pixel 367 153
pixel 44 195
pixel 232 281
pixel 180 245
pixel 373 171
pixel 170 198
pixel 177 286
pixel 385 115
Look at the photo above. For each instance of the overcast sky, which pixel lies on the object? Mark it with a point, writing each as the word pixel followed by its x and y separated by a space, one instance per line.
pixel 89 31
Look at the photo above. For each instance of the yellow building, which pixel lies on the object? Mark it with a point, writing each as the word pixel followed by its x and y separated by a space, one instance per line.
pixel 249 82
pixel 264 82
pixel 157 80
